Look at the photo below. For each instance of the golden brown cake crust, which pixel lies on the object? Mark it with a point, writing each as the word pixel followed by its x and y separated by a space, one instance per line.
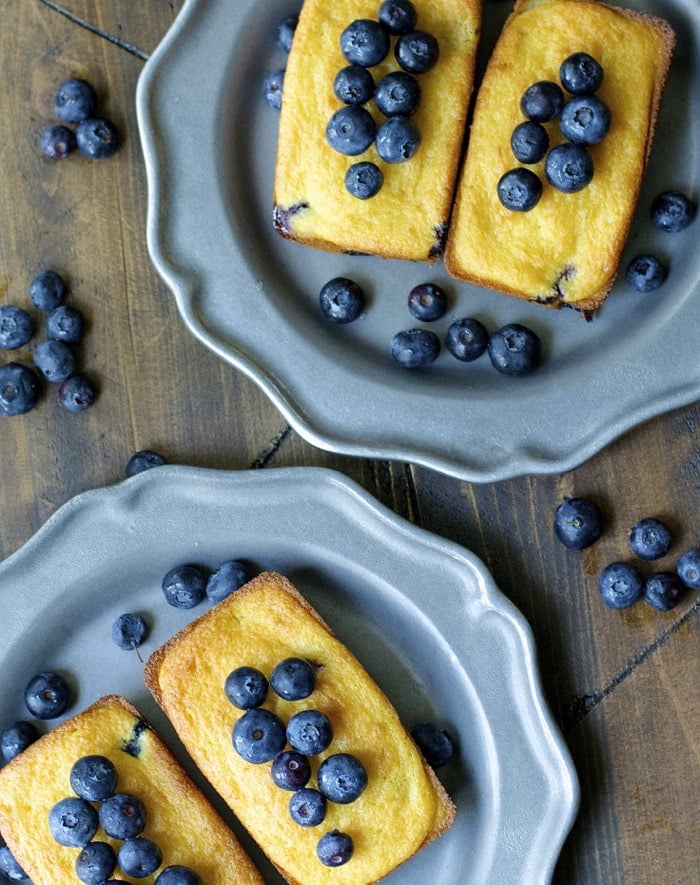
pixel 261 611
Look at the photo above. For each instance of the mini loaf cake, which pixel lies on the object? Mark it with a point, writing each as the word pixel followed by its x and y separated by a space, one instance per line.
pixel 399 806
pixel 408 217
pixel 565 250
pixel 179 819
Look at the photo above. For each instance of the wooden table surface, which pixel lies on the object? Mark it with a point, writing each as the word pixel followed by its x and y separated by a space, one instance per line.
pixel 623 686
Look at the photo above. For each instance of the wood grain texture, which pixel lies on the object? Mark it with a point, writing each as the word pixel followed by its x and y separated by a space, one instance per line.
pixel 622 685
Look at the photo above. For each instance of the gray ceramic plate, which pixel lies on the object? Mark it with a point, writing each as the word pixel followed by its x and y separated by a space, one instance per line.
pixel 209 142
pixel 422 614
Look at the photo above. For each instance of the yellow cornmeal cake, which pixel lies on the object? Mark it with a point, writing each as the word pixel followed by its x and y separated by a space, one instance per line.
pixel 408 217
pixel 566 250
pixel 179 817
pixel 403 807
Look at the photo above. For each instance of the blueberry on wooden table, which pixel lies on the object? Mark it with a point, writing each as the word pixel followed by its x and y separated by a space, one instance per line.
pixel 77 393
pixel 73 821
pixel 47 695
pixel 139 857
pixel 514 349
pixel 75 100
pixel 650 538
pixel 97 138
pixel 17 737
pixel 19 389
pixel 47 290
pixel 620 585
pixel 334 848
pixel 663 590
pixel 467 339
pixel 177 874
pixel 144 459
pixel 16 327
pixel 577 523
pixel 57 142
pixel 65 323
pixel 54 360
pixel 688 569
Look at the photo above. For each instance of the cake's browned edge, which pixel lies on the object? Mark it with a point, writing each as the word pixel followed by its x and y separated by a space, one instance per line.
pixel 155 661
pixel 589 305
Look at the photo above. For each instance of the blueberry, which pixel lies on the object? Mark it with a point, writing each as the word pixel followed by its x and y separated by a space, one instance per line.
pixel 75 100
pixel 413 348
pixel 73 822
pixel 129 631
pixel 184 586
pixel 645 273
pixel 77 393
pixel 285 32
pixel 364 180
pixel 19 389
pixel 585 120
pixel 397 16
pixel 341 300
pixel 514 349
pixel 542 101
pixel 95 863
pixel 97 138
pixel 17 737
pixel 353 85
pixel 351 130
pixel 293 679
pixel 398 93
pixel 54 360
pixel 580 74
pixel 620 584
pixel 672 211
pixel 427 302
pixel 176 874
pixel 307 807
pixel 246 687
pixel 334 849
pixel 341 778
pixel 568 167
pixel 309 732
pixel 16 327
pixel 9 868
pixel 398 139
pixel 65 323
pixel 519 189
pixel 93 778
pixel 57 142
pixel 273 89
pixel 47 695
pixel 258 736
pixel 47 290
pixel 663 590
pixel 144 459
pixel 416 51
pixel 226 579
pixel 467 339
pixel 290 770
pixel 529 142
pixel 434 742
pixel 577 523
pixel 139 857
pixel 122 816
pixel 650 538
pixel 364 42
pixel 688 569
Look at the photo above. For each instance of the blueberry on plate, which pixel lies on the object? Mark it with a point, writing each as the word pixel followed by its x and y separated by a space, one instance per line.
pixel 77 393
pixel 688 569
pixel 663 590
pixel 17 737
pixel 342 778
pixel 645 273
pixel 184 586
pixel 285 32
pixel 144 459
pixel 290 770
pixel 341 300
pixel 16 327
pixel 514 349
pixel 334 848
pixel 226 579
pixel 73 822
pixel 568 167
pixel 97 138
pixel 139 857
pixel 585 120
pixel 413 348
pixel 620 584
pixel 427 302
pixel 293 679
pixel 246 687
pixel 353 85
pixel 122 816
pixel 529 142
pixel 9 868
pixel 57 142
pixel 129 631
pixel 542 101
pixel 66 324
pixel 577 523
pixel 467 339
pixel 47 695
pixel 54 360
pixel 519 189
pixel 93 777
pixel 176 874
pixel 650 538
pixel 398 139
pixel 273 89
pixel 307 807
pixel 398 93
pixel 75 100
pixel 364 180
pixel 672 211
pixel 397 16
pixel 417 51
pixel 434 742
pixel 580 74
pixel 19 389
pixel 351 130
pixel 309 732
pixel 258 736
pixel 364 42
pixel 47 290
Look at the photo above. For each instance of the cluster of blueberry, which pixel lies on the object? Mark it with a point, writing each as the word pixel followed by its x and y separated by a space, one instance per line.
pixel 583 120
pixel 95 137
pixel 260 736
pixel 578 524
pixel 352 129
pixel 54 359
pixel 75 820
